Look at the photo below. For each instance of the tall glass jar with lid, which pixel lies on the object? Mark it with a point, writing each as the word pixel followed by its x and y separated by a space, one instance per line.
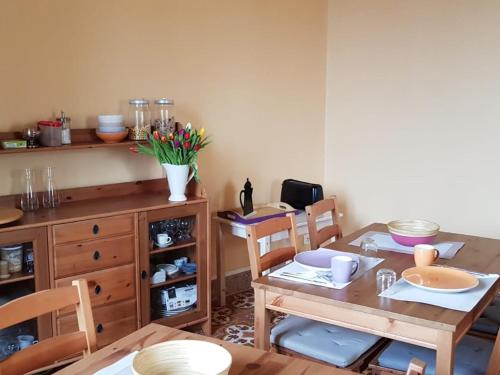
pixel 164 120
pixel 139 119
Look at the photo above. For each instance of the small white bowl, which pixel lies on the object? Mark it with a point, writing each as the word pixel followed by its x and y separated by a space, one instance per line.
pixel 111 129
pixel 180 357
pixel 106 119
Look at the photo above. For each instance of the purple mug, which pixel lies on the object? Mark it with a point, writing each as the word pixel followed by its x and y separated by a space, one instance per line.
pixel 343 268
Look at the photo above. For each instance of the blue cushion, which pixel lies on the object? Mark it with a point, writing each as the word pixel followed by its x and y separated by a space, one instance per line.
pixel 471 356
pixel 325 342
pixel 492 312
pixel 489 322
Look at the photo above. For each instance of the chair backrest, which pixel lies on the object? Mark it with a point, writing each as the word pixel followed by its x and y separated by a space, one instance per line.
pixel 259 263
pixel 416 367
pixel 494 365
pixel 318 237
pixel 48 351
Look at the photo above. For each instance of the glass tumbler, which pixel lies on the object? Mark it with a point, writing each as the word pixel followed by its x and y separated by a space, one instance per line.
pixel 369 247
pixel 29 197
pixel 50 195
pixel 385 279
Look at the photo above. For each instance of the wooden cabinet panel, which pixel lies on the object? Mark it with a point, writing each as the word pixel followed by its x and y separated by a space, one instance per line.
pixel 111 322
pixel 89 256
pixel 92 229
pixel 106 286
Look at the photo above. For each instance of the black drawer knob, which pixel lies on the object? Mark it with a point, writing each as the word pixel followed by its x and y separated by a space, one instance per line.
pixel 144 274
pixel 97 255
pixel 97 289
pixel 95 229
pixel 99 328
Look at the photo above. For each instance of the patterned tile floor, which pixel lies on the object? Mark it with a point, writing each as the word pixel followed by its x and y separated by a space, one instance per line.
pixel 234 322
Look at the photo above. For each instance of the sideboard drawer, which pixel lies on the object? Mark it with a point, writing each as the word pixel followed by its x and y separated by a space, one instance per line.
pixel 89 256
pixel 111 322
pixel 106 286
pixel 93 229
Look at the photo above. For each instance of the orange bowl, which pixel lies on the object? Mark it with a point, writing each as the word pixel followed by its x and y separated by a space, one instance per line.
pixel 112 137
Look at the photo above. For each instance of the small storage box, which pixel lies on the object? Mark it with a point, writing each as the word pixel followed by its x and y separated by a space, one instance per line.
pixel 50 133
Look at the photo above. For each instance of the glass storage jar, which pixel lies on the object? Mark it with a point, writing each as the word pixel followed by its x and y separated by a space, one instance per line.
pixel 164 120
pixel 139 119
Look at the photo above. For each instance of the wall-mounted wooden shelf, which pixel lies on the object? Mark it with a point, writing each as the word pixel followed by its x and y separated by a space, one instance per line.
pixel 80 138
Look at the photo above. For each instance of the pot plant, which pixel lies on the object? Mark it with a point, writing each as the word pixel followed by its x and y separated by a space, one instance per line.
pixel 177 153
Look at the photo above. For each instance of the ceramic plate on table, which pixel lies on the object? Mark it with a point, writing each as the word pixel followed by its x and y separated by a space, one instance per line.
pixel 440 279
pixel 317 260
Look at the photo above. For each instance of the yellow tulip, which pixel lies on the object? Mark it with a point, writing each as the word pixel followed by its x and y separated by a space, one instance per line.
pixel 201 132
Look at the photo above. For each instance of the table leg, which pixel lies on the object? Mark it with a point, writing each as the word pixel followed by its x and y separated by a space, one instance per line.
pixel 221 266
pixel 262 320
pixel 445 353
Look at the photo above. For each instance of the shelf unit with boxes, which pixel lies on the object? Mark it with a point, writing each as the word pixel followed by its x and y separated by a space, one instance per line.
pixel 101 234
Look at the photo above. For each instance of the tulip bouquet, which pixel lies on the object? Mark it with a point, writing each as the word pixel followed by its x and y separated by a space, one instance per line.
pixel 178 148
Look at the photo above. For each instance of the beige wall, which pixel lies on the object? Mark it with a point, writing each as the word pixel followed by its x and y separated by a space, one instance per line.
pixel 251 71
pixel 413 112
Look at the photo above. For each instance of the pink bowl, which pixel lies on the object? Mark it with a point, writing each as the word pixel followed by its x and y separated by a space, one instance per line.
pixel 412 241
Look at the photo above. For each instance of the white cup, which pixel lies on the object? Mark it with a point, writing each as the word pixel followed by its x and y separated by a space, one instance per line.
pixel 163 239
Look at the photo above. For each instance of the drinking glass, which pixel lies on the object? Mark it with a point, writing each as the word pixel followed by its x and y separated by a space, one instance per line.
pixel 29 197
pixel 50 195
pixel 369 247
pixel 385 278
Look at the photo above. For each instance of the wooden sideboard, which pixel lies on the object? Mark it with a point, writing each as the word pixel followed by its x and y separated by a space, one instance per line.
pixel 102 234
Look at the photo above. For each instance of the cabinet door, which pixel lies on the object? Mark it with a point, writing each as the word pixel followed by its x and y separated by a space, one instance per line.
pixel 187 226
pixel 32 258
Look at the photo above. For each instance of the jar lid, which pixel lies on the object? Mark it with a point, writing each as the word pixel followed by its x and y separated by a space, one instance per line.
pixel 138 101
pixel 165 101
pixel 54 124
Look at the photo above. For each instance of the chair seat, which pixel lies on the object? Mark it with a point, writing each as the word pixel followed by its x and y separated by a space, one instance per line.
pixel 471 356
pixel 325 342
pixel 489 322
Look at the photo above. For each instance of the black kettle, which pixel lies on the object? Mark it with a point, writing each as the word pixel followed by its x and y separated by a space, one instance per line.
pixel 246 202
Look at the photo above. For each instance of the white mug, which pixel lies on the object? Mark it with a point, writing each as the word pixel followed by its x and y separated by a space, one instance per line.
pixel 163 239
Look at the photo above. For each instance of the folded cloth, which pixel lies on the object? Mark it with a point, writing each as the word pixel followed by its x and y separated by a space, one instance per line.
pixel 120 367
pixel 464 301
pixel 298 273
pixel 384 241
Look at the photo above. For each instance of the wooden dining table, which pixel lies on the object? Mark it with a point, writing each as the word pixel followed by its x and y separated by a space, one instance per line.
pixel 245 360
pixel 359 307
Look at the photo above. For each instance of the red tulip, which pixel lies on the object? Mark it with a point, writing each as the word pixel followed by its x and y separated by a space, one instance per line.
pixel 171 136
pixel 156 135
pixel 196 148
pixel 187 145
pixel 187 135
pixel 163 138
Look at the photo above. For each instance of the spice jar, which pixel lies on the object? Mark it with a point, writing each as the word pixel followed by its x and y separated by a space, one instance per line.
pixel 50 133
pixel 66 128
pixel 139 119
pixel 14 256
pixel 164 116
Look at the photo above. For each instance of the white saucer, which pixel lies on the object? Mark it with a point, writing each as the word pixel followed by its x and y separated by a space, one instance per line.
pixel 164 246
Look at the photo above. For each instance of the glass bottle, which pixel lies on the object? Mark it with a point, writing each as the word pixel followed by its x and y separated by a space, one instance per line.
pixel 139 119
pixel 66 128
pixel 50 195
pixel 29 197
pixel 164 116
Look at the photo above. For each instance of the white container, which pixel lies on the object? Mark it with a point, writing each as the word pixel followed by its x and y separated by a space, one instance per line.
pixel 111 129
pixel 14 256
pixel 177 176
pixel 110 119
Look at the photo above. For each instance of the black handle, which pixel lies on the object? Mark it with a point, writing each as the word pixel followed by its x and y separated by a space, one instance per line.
pixel 97 255
pixel 97 289
pixel 144 274
pixel 95 229
pixel 99 328
pixel 241 201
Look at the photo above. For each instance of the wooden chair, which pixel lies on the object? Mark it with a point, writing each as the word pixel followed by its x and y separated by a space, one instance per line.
pixel 318 237
pixel 47 352
pixel 416 367
pixel 259 264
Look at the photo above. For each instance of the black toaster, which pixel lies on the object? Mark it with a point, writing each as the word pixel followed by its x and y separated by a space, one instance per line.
pixel 300 194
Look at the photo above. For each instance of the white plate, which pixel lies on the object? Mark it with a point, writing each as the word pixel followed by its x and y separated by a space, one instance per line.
pixel 440 279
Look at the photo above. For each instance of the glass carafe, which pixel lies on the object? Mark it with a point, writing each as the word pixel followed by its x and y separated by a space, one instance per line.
pixel 50 195
pixel 29 197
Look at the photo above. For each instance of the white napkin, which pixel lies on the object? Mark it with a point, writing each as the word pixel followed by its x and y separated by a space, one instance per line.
pixel 384 241
pixel 464 301
pixel 120 367
pixel 323 278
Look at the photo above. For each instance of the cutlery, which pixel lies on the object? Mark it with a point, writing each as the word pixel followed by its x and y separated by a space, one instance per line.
pixel 294 276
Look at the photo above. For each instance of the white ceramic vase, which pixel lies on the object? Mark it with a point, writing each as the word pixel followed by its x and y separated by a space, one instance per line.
pixel 177 177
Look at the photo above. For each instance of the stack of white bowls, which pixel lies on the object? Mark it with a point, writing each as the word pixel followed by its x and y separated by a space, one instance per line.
pixel 110 124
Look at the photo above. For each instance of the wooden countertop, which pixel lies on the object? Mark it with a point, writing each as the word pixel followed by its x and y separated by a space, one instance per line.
pixel 92 202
